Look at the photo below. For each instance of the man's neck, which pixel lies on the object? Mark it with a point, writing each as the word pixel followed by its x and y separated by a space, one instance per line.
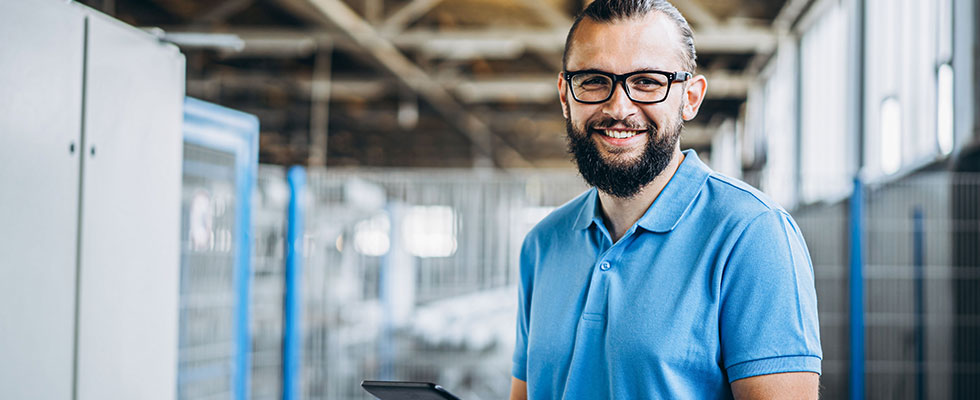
pixel 620 214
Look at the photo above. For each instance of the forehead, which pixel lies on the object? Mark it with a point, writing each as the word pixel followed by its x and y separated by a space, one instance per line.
pixel 649 42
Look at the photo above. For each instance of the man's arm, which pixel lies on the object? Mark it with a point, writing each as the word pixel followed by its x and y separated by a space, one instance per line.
pixel 768 319
pixel 788 385
pixel 518 389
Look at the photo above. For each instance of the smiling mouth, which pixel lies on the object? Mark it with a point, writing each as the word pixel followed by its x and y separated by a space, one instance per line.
pixel 618 134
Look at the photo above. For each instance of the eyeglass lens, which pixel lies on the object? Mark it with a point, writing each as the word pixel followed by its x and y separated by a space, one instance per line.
pixel 647 87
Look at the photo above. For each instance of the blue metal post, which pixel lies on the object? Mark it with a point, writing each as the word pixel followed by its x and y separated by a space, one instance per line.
pixel 226 130
pixel 918 256
pixel 386 351
pixel 292 334
pixel 857 290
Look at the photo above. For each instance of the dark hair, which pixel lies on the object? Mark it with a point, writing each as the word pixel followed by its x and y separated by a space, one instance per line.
pixel 618 10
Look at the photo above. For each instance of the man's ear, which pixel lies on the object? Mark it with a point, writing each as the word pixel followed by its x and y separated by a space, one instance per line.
pixel 563 94
pixel 693 96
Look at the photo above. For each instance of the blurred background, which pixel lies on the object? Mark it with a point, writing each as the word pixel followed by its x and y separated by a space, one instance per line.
pixel 259 199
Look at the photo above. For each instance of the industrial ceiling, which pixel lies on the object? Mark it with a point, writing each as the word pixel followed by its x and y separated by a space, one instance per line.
pixel 424 83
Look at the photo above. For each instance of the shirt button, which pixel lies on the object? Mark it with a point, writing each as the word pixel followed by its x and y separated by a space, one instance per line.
pixel 605 266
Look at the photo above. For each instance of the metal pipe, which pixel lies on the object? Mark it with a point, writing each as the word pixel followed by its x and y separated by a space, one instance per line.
pixel 918 256
pixel 857 290
pixel 292 356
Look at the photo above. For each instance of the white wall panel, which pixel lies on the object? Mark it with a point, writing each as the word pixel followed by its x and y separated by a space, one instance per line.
pixel 131 184
pixel 780 176
pixel 826 153
pixel 40 119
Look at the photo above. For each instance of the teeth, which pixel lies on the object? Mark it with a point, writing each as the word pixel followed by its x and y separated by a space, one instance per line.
pixel 619 134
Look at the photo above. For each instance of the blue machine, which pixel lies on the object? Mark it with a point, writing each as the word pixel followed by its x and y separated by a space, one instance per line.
pixel 219 170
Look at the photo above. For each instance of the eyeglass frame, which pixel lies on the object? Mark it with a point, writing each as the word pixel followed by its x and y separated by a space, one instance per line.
pixel 677 76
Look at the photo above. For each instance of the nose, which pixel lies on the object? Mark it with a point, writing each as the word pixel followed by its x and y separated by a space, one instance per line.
pixel 619 106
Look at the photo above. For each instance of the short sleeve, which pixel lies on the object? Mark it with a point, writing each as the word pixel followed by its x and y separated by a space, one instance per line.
pixel 519 369
pixel 768 306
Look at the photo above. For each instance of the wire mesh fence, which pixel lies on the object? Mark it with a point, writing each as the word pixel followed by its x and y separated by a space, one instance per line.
pixel 824 228
pixel 920 282
pixel 409 275
pixel 207 275
pixel 269 202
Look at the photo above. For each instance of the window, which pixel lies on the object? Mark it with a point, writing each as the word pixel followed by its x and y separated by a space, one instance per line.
pixel 908 84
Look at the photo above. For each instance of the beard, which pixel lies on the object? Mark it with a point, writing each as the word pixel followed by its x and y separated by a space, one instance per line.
pixel 622 178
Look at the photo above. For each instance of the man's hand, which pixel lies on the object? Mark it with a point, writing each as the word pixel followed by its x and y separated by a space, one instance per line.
pixel 518 389
pixel 789 385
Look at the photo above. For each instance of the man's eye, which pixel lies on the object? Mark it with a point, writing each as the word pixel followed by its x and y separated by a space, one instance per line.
pixel 594 82
pixel 647 82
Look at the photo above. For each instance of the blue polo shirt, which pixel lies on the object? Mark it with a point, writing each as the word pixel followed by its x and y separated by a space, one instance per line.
pixel 713 284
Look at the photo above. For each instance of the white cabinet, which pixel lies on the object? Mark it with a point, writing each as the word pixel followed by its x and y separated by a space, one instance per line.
pixel 90 180
pixel 40 137
pixel 130 230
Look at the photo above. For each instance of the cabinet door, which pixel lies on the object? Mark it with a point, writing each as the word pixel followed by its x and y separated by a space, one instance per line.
pixel 40 131
pixel 130 229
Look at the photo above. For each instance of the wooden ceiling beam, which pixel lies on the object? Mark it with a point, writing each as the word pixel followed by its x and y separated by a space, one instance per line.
pixel 406 15
pixel 555 18
pixel 222 11
pixel 493 43
pixel 363 34
pixel 487 43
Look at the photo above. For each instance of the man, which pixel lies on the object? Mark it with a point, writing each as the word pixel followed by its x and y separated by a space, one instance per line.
pixel 666 280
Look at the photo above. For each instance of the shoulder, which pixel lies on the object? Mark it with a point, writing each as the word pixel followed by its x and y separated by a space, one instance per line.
pixel 732 198
pixel 758 227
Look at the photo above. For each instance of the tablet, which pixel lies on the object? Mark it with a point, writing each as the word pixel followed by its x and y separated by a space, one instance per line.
pixel 391 390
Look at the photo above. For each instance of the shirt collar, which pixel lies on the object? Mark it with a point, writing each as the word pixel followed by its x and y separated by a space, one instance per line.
pixel 589 212
pixel 667 210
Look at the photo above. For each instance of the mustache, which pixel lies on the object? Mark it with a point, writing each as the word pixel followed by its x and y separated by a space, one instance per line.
pixel 608 123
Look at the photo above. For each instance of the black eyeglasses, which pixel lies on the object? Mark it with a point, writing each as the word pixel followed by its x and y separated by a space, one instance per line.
pixel 647 87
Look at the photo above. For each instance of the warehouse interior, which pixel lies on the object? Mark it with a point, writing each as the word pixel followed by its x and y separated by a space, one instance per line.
pixel 443 83
pixel 277 199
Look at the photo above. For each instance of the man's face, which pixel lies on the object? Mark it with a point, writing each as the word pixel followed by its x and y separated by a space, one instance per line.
pixel 620 145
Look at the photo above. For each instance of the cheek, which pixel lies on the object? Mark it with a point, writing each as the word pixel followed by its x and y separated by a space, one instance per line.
pixel 664 114
pixel 655 118
pixel 582 114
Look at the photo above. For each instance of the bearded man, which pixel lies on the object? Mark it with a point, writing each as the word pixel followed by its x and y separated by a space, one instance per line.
pixel 666 280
